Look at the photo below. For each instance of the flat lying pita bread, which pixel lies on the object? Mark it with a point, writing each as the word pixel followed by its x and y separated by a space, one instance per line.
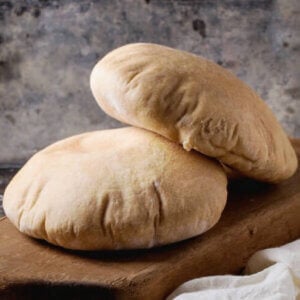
pixel 116 189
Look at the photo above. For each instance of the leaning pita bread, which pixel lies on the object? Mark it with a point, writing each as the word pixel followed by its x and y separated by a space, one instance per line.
pixel 197 103
pixel 116 189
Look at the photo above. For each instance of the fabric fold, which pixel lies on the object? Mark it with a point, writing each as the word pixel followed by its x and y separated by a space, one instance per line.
pixel 270 274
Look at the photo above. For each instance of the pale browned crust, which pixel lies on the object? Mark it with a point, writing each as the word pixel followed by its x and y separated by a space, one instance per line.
pixel 116 189
pixel 197 103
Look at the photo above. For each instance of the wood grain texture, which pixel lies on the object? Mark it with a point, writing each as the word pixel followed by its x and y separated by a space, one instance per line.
pixel 257 216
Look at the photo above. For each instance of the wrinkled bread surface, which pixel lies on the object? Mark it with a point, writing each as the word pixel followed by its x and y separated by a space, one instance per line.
pixel 116 189
pixel 197 103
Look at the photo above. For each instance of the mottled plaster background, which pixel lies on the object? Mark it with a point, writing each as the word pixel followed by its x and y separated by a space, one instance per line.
pixel 48 48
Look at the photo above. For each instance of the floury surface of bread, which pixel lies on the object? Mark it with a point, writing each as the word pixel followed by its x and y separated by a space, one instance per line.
pixel 197 103
pixel 116 189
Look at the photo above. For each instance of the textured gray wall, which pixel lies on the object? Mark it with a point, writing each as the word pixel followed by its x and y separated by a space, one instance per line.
pixel 47 50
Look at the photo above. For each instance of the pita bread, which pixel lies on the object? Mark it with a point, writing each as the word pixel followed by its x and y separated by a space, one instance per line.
pixel 197 103
pixel 116 189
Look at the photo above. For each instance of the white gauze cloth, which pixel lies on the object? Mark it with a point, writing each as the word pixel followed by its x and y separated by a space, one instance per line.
pixel 271 274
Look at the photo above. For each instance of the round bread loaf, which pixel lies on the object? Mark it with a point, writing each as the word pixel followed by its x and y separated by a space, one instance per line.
pixel 116 189
pixel 197 103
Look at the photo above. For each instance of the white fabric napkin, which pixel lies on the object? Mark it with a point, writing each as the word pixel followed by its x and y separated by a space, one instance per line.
pixel 271 274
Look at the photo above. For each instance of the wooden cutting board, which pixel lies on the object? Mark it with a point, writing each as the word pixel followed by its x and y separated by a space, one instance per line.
pixel 257 216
